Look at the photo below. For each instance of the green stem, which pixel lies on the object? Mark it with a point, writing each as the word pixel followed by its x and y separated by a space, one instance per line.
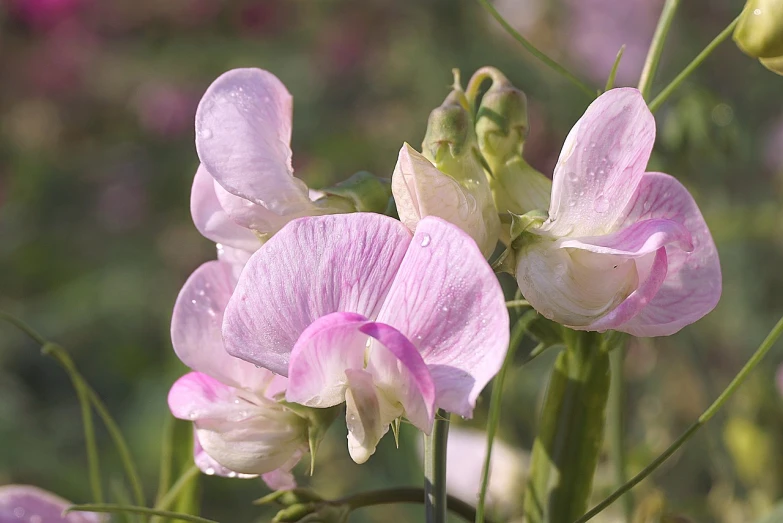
pixel 669 89
pixel 566 449
pixel 656 47
pixel 743 374
pixel 166 458
pixel 120 509
pixel 62 357
pixel 403 495
pixel 535 52
pixel 171 496
pixel 517 303
pixel 435 499
pixel 616 422
pixel 494 409
pixel 613 72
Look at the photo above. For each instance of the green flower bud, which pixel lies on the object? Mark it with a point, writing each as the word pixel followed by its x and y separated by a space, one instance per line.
pixel 365 192
pixel 449 130
pixel 501 123
pixel 759 32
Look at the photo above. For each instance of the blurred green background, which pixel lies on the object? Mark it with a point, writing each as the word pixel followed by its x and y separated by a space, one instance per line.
pixel 97 100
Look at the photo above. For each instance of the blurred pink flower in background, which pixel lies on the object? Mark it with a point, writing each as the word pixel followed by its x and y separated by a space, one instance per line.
pixel 165 110
pixel 28 504
pixel 44 14
pixel 594 31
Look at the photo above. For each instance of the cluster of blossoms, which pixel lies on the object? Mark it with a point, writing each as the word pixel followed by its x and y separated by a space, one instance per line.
pixel 319 299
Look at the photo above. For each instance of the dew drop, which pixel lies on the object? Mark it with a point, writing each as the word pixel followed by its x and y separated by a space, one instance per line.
pixel 205 133
pixel 757 12
pixel 425 240
pixel 581 193
pixel 193 302
pixel 445 309
pixel 193 415
pixel 209 471
pixel 571 203
pixel 232 474
pixel 647 205
pixel 19 512
pixel 601 203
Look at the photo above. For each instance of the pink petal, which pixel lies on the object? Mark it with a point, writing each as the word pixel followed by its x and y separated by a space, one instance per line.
pixel 601 164
pixel 209 466
pixel 197 396
pixel 243 131
pixel 638 239
pixel 399 371
pixel 448 302
pixel 692 286
pixel 28 504
pixel 313 267
pixel 325 350
pixel 282 478
pixel 196 328
pixel 212 220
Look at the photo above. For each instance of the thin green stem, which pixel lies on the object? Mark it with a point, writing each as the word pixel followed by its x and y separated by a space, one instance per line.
pixel 166 458
pixel 669 89
pixel 22 326
pixel 120 509
pixel 435 499
pixel 616 427
pixel 743 374
pixel 494 410
pixel 176 489
pixel 656 47
pixel 613 72
pixel 403 495
pixel 517 303
pixel 535 52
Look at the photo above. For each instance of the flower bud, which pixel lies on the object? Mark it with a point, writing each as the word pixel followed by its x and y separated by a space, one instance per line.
pixel 447 180
pixel 759 32
pixel 365 192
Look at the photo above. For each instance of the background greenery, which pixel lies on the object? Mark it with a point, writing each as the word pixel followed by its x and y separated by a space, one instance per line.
pixel 97 101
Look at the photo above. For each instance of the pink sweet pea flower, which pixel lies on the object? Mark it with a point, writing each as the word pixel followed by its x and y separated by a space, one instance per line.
pixel 245 189
pixel 28 504
pixel 353 308
pixel 623 249
pixel 241 430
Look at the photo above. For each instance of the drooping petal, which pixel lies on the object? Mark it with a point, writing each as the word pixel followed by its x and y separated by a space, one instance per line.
pixel 313 267
pixel 638 239
pixel 243 132
pixel 692 286
pixel 196 328
pixel 211 219
pixel 198 396
pixel 447 301
pixel 399 371
pixel 368 414
pixel 282 478
pixel 421 190
pixel 319 360
pixel 601 164
pixel 29 504
pixel 209 466
pixel 253 216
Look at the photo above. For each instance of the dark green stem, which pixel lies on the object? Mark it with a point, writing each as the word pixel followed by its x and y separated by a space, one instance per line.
pixel 743 374
pixel 616 425
pixel 435 499
pixel 535 52
pixel 566 450
pixel 656 47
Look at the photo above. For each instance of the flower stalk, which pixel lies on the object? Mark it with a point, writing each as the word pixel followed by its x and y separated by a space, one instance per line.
pixel 435 445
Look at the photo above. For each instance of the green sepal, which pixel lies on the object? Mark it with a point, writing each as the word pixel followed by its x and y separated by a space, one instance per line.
pixel 521 223
pixel 318 422
pixel 365 191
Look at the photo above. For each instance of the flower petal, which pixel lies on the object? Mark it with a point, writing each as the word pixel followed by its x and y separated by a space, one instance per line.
pixel 638 239
pixel 253 216
pixel 448 302
pixel 399 371
pixel 211 219
pixel 243 131
pixel 421 190
pixel 326 349
pixel 198 396
pixel 313 267
pixel 209 466
pixel 368 414
pixel 692 286
pixel 29 504
pixel 196 328
pixel 601 164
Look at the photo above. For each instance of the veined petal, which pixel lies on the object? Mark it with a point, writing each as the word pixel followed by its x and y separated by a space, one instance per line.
pixel 400 373
pixel 421 190
pixel 253 216
pixel 198 396
pixel 209 466
pixel 368 414
pixel 211 219
pixel 243 132
pixel 196 328
pixel 447 301
pixel 638 239
pixel 29 504
pixel 313 267
pixel 319 360
pixel 692 286
pixel 601 164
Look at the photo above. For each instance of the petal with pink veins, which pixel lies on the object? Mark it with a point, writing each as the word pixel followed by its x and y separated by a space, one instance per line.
pixel 447 301
pixel 313 267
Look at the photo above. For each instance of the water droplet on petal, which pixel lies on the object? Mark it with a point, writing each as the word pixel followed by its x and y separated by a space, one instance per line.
pixel 647 205
pixel 425 240
pixel 204 133
pixel 232 474
pixel 601 203
pixel 757 12
pixel 193 415
pixel 19 512
pixel 210 471
pixel 193 302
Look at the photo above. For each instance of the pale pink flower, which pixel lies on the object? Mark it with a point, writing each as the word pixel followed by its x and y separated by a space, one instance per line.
pixel 354 308
pixel 622 249
pixel 241 430
pixel 28 504
pixel 245 189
